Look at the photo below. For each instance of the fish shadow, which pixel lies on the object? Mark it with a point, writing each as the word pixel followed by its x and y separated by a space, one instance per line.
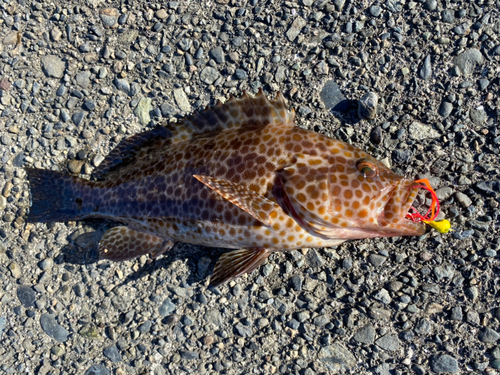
pixel 346 111
pixel 83 249
pixel 200 262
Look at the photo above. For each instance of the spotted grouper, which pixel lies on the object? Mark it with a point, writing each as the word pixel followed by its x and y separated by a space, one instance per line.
pixel 240 175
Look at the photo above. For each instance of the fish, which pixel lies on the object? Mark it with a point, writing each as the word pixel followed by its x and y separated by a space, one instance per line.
pixel 241 176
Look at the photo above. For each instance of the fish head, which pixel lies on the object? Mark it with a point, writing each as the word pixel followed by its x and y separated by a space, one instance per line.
pixel 348 194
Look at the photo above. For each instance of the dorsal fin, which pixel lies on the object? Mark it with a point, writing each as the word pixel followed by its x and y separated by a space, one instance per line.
pixel 128 149
pixel 246 111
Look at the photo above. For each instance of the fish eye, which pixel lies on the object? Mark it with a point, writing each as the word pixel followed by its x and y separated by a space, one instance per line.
pixel 367 168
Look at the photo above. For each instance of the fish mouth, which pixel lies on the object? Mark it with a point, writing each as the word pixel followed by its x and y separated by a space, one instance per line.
pixel 397 214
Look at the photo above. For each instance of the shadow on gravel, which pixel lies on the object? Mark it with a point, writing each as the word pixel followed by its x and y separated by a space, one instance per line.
pixel 83 249
pixel 200 262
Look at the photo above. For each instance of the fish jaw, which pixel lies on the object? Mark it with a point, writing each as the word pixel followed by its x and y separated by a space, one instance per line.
pixel 393 218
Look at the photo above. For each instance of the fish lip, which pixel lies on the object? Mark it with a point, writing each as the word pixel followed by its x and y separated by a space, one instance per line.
pixel 411 195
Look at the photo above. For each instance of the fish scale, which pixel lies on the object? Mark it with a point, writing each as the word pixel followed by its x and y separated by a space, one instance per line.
pixel 241 176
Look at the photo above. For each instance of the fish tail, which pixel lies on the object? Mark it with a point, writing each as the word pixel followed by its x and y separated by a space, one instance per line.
pixel 57 197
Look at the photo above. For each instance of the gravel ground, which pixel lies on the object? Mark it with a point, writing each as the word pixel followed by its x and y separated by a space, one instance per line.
pixel 76 79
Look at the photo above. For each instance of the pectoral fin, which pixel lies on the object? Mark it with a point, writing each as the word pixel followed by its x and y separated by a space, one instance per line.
pixel 248 200
pixel 236 263
pixel 122 243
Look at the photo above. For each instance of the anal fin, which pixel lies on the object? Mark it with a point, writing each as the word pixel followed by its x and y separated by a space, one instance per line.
pixel 236 263
pixel 260 207
pixel 122 243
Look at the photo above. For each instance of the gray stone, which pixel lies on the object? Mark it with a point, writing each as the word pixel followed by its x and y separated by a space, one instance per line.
pixel 89 105
pixel 142 111
pixel 240 74
pixel 495 363
pixel 243 330
pixel 444 363
pixel 321 320
pixel 78 117
pixel 388 342
pixel 430 5
pixel 209 75
pixel 467 61
pixel 376 259
pixel 456 313
pixel 444 272
pixel 425 71
pixel 52 328
pixel 112 353
pixel 332 97
pixel 383 296
pixel 423 327
pixel 444 193
pixel 122 85
pixel 483 83
pixel 375 10
pixel 339 4
pixel 166 308
pixel 3 323
pixel 214 317
pixel 395 6
pixel 295 28
pixel 314 258
pixel 337 353
pixel 53 66
pixel 135 88
pixel 185 44
pixel 478 116
pixel 367 106
pixel 463 199
pixel 83 79
pixel 365 335
pixel 109 17
pixel 445 109
pixel 296 282
pixel 419 131
pixel 26 296
pixel 488 336
pixel 401 156
pixel 383 369
pixel 217 54
pixel 376 136
pixel 46 264
pixel 145 327
pixel 97 370
pixel 181 100
pixel 168 110
pixel 302 316
pixel 190 355
pixel 448 15
pixel 471 293
pixel 495 51
pixel 495 352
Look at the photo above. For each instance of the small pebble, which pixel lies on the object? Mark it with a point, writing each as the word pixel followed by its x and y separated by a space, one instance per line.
pixel 445 109
pixel 367 106
pixel 444 364
pixel 109 17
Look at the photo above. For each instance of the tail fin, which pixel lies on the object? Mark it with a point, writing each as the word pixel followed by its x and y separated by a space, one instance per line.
pixel 56 197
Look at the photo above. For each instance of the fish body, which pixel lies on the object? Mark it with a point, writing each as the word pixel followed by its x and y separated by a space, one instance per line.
pixel 240 175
